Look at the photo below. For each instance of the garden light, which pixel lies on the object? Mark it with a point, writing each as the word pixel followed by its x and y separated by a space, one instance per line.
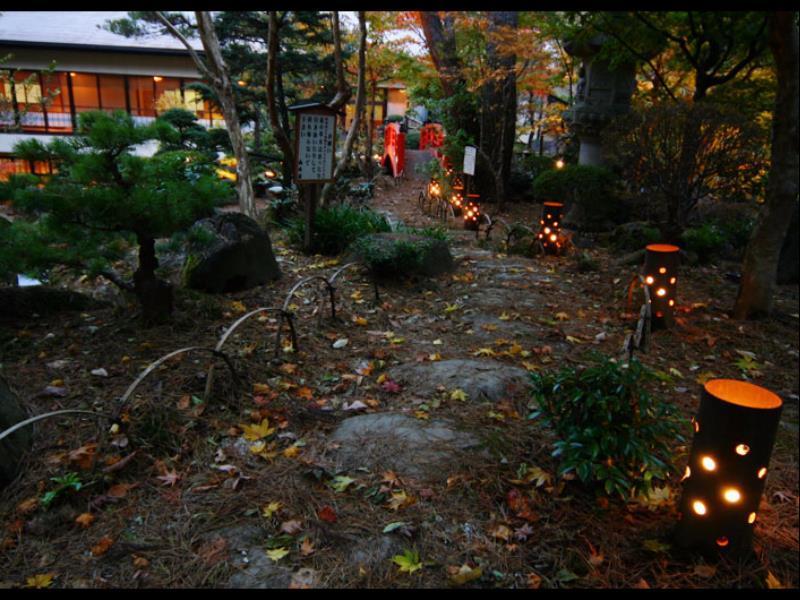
pixel 559 164
pixel 660 269
pixel 549 231
pixel 472 213
pixel 434 189
pixel 725 478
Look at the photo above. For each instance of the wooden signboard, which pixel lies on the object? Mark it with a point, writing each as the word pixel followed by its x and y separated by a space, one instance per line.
pixel 315 144
pixel 470 153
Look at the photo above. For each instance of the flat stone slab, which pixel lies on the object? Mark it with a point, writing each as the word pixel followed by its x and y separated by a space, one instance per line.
pixel 480 379
pixel 393 441
pixel 509 329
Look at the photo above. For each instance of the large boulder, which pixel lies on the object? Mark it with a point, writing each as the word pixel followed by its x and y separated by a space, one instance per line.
pixel 13 447
pixel 235 254
pixel 402 254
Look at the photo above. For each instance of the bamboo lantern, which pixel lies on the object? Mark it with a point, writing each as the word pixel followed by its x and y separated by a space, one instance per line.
pixel 434 189
pixel 457 201
pixel 472 213
pixel 735 431
pixel 551 226
pixel 661 277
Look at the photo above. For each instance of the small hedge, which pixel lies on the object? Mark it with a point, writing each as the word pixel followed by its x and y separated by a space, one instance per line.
pixel 336 227
pixel 401 255
pixel 594 189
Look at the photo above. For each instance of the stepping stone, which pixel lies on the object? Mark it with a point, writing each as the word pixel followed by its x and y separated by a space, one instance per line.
pixel 480 379
pixel 392 441
pixel 509 329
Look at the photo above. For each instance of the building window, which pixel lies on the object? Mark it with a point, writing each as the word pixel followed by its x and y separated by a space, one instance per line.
pixel 112 92
pixel 84 92
pixel 56 90
pixel 14 166
pixel 141 92
pixel 168 94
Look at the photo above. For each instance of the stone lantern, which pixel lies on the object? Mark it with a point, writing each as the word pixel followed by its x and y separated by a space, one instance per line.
pixel 603 93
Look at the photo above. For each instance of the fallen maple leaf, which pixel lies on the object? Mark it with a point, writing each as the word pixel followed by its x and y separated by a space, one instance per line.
pixel 119 490
pixel 84 456
pixel 408 561
pixel 169 478
pixel 400 500
pixel 705 571
pixel 562 316
pixel 773 582
pixel 458 394
pixel 326 513
pixel 307 547
pixel 501 532
pixel 140 562
pixel 277 554
pixel 484 352
pixel 291 451
pixel 28 505
pixel 84 519
pixel 42 580
pixel 270 509
pixel 305 392
pixel 261 388
pixel 291 527
pixel 341 482
pixel 255 432
pixel 391 387
pixel 102 546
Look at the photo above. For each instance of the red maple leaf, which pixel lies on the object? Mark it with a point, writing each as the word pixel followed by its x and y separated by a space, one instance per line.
pixel 326 513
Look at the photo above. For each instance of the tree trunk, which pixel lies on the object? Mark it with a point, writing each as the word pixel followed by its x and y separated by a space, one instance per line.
pixel 154 295
pixel 351 134
pixel 281 133
pixel 371 129
pixel 761 258
pixel 224 89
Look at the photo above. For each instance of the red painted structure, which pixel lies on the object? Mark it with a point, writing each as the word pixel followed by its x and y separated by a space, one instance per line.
pixel 431 137
pixel 394 149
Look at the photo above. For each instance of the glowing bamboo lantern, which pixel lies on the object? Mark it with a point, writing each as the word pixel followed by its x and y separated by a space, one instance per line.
pixel 457 201
pixel 551 226
pixel 661 277
pixel 735 430
pixel 472 213
pixel 434 189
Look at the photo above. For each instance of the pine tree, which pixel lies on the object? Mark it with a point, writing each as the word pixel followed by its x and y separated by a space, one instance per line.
pixel 102 198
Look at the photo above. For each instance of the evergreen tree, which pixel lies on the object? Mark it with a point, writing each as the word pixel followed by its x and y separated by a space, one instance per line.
pixel 102 198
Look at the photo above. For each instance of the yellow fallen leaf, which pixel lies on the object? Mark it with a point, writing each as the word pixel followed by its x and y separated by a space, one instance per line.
pixel 253 432
pixel 238 307
pixel 504 316
pixel 501 532
pixel 562 316
pixel 458 394
pixel 574 340
pixel 261 388
pixel 381 378
pixel 291 451
pixel 277 554
pixel 397 340
pixel 451 308
pixel 43 580
pixel 435 356
pixel 360 321
pixel 773 582
pixel 484 352
pixel 270 509
pixel 530 366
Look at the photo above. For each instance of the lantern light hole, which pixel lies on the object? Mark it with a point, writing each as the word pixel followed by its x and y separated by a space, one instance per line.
pixel 751 518
pixel 662 270
pixel 649 280
pixel 699 507
pixel 732 495
pixel 722 541
pixel 687 473
pixel 661 292
pixel 762 472
pixel 709 464
pixel 672 280
pixel 742 449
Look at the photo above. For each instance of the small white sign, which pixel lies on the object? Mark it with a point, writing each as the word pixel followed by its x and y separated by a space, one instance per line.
pixel 470 152
pixel 315 148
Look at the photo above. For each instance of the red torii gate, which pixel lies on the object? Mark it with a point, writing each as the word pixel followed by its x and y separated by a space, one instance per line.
pixel 394 149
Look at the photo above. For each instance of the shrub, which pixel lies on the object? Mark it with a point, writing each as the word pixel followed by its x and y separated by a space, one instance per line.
pixel 520 185
pixel 594 189
pixel 634 236
pixel 412 140
pixel 707 241
pixel 536 165
pixel 610 430
pixel 336 227
pixel 424 253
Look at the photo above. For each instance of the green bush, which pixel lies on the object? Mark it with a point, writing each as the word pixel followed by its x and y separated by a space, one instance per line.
pixel 336 227
pixel 394 119
pixel 610 430
pixel 634 236
pixel 426 255
pixel 536 165
pixel 412 140
pixel 520 185
pixel 594 189
pixel 707 241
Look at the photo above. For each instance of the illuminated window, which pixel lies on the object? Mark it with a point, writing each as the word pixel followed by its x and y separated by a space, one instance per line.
pixel 84 92
pixel 112 92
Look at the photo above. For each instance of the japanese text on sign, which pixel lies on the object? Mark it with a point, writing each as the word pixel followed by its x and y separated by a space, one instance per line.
pixel 470 152
pixel 315 147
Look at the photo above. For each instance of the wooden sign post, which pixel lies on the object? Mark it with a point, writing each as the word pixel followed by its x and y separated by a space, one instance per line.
pixel 470 154
pixel 315 155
